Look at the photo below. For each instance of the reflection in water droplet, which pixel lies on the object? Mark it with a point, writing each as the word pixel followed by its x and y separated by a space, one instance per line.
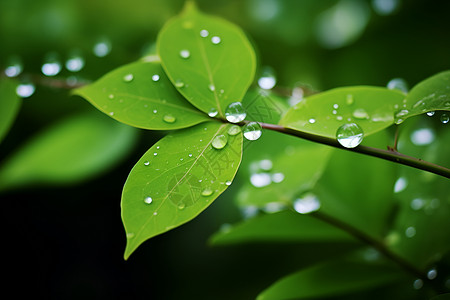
pixel 25 90
pixel 307 204
pixel 128 77
pixel 216 40
pixel 212 112
pixel 204 33
pixel 417 204
pixel 169 118
pixel 207 192
pixel 360 113
pixel 349 135
pixel 260 179
pixel 445 118
pixel 185 53
pixel 234 129
pixel 423 136
pixel 398 84
pixel 432 274
pixel 418 284
pixel 219 141
pixel 410 232
pixel 400 185
pixel 252 131
pixel 431 113
pixel 146 163
pixel 235 112
pixel 277 177
pixel 148 200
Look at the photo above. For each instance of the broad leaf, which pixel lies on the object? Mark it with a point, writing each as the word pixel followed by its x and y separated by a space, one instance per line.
pixel 69 151
pixel 264 106
pixel 372 108
pixel 141 95
pixel 176 179
pixel 284 226
pixel 331 279
pixel 9 105
pixel 208 59
pixel 428 95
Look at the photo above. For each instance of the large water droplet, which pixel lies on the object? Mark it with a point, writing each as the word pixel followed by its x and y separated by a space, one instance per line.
pixel 212 112
pixel 204 33
pixel 128 77
pixel 252 131
pixel 25 90
pixel 349 135
pixel 235 112
pixel 185 53
pixel 234 129
pixel 423 136
pixel 14 67
pixel 207 192
pixel 260 179
pixel 148 200
pixel 445 118
pixel 169 118
pixel 216 40
pixel 219 141
pixel 360 113
pixel 307 204
pixel 398 84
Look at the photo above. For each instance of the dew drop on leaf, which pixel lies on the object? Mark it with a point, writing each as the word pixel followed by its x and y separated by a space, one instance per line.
pixel 14 67
pixel 219 141
pixel 169 118
pixel 445 118
pixel 148 200
pixel 25 90
pixel 128 78
pixel 181 205
pixel 398 84
pixel 52 65
pixel 418 284
pixel 349 100
pixel 211 87
pixel 312 121
pixel 155 77
pixel 204 33
pixel 75 63
pixel 260 179
pixel 228 182
pixel 234 129
pixel 400 184
pixel 252 131
pixel 235 112
pixel 185 53
pixel 212 112
pixel 432 274
pixel 360 113
pixel 349 135
pixel 146 163
pixel 179 83
pixel 207 192
pixel 417 204
pixel 307 204
pixel 277 177
pixel 216 40
pixel 430 113
pixel 423 136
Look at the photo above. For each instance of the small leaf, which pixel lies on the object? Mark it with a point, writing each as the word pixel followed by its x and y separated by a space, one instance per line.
pixel 141 95
pixel 177 179
pixel 9 105
pixel 429 95
pixel 284 226
pixel 208 59
pixel 331 279
pixel 72 150
pixel 372 108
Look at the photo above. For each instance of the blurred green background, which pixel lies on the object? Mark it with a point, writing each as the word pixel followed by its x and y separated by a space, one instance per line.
pixel 67 241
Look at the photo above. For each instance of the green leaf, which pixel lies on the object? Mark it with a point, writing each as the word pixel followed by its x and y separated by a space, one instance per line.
pixel 132 95
pixel 283 226
pixel 182 174
pixel 372 108
pixel 71 150
pixel 330 279
pixel 428 95
pixel 9 105
pixel 264 106
pixel 210 75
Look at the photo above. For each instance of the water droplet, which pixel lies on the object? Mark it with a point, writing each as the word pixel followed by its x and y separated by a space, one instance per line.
pixel 417 204
pixel 360 113
pixel 212 112
pixel 228 182
pixel 102 48
pixel 111 96
pixel 339 118
pixel 219 141
pixel 335 106
pixel 273 207
pixel 423 136
pixel 14 67
pixel 155 77
pixel 155 213
pixel 148 200
pixel 75 63
pixel 204 33
pixel 445 118
pixel 179 83
pixel 25 90
pixel 181 205
pixel 399 116
pixel 155 153
pixel 268 79
pixel 190 154
pixel 334 112
pixel 349 135
pixel 211 87
pixel 431 113
pixel 260 179
pixel 169 118
pixel 277 177
pixel 155 111
pixel 252 131
pixel 235 112
pixel 418 284
pixel 216 40
pixel 207 192
pixel 185 53
pixel 111 113
pixel 312 121
pixel 432 274
pixel 349 100
pixel 234 129
pixel 307 204
pixel 52 65
pixel 128 78
pixel 146 163
pixel 410 232
pixel 130 235
pixel 400 185
pixel 398 84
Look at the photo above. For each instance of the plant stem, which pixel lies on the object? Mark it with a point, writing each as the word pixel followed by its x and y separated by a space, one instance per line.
pixel 390 155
